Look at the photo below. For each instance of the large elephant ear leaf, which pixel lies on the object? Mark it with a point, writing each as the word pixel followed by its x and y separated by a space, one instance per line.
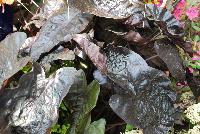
pixel 147 100
pixel 81 100
pixel 96 127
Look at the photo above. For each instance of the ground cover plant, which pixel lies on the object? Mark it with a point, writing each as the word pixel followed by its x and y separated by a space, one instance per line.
pixel 100 67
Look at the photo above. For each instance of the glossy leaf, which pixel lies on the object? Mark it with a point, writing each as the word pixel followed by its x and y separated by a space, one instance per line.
pixel 169 25
pixel 109 8
pixel 147 100
pixel 60 27
pixel 135 37
pixel 32 107
pixel 164 19
pixel 48 9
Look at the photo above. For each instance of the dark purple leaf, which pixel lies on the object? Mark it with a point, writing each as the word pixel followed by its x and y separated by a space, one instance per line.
pixel 32 107
pixel 135 37
pixel 135 19
pixel 61 26
pixel 148 100
pixel 170 55
pixel 169 22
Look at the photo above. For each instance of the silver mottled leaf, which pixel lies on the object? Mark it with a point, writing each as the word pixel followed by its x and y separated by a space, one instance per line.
pixel 32 107
pixel 147 99
pixel 10 63
pixel 60 27
pixel 116 9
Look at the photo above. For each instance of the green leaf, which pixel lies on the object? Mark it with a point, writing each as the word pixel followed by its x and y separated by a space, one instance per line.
pixel 97 127
pixel 27 68
pixel 62 106
pixel 64 129
pixel 129 127
pixel 196 28
pixel 60 129
pixel 196 38
pixel 55 128
pixel 81 99
pixel 193 66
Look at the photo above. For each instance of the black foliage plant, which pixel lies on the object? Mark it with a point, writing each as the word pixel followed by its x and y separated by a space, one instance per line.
pixel 110 34
pixel 145 98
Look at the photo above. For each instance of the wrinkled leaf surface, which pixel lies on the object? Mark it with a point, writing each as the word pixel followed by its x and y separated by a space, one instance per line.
pixel 32 107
